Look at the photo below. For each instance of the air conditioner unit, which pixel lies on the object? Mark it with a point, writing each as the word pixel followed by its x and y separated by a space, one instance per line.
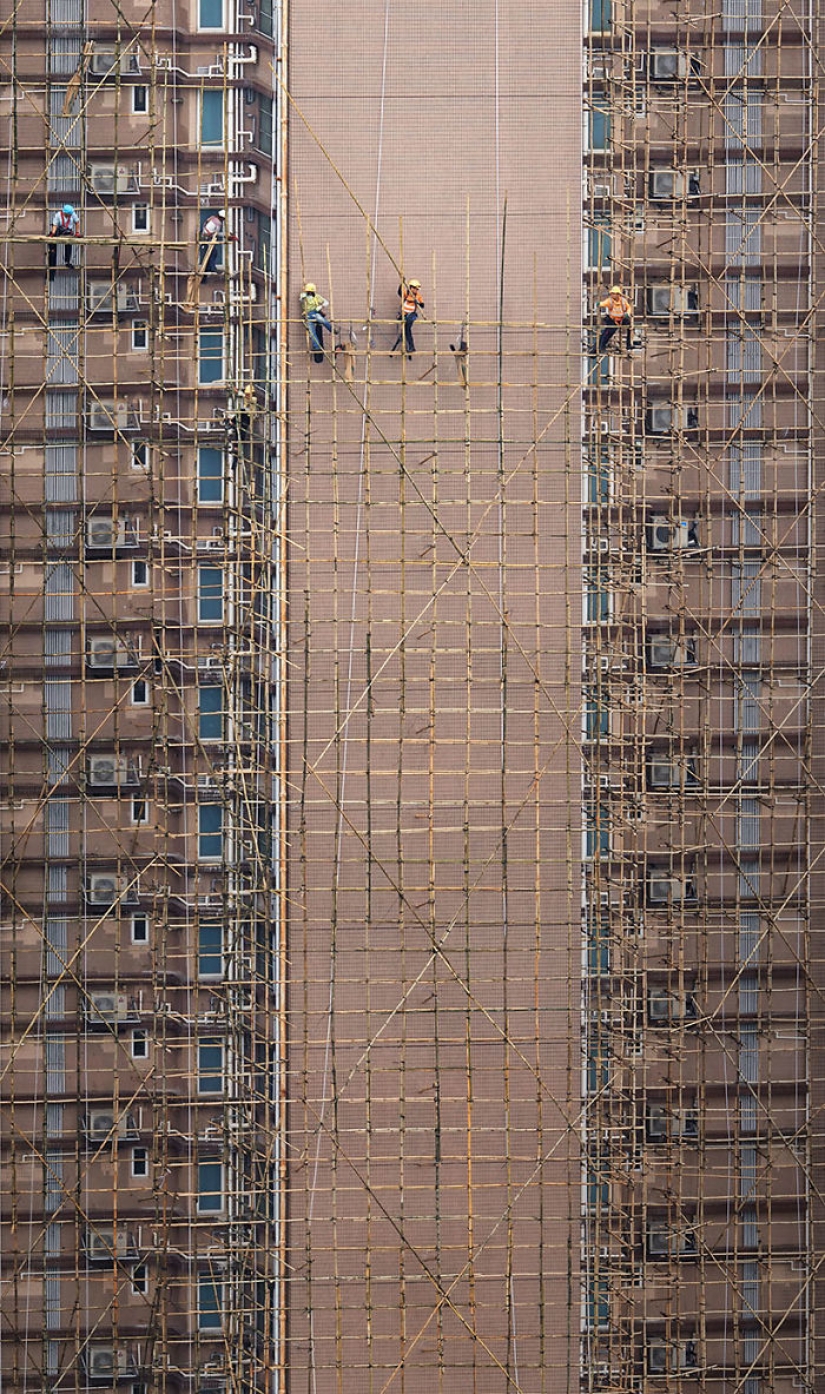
pixel 106 61
pixel 108 1008
pixel 110 654
pixel 668 65
pixel 104 1243
pixel 597 545
pixel 103 533
pixel 667 184
pixel 669 890
pixel 107 1363
pixel 99 298
pixel 664 1006
pixel 111 417
pixel 671 774
pixel 104 888
pixel 667 536
pixel 666 419
pixel 662 301
pixel 112 771
pixel 105 1123
pixel 109 180
pixel 665 652
pixel 656 1123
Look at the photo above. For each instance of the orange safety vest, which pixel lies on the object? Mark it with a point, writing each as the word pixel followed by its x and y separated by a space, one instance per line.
pixel 616 307
pixel 411 300
pixel 64 221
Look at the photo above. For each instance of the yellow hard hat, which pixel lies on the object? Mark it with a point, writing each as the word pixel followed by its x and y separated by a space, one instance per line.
pixel 309 288
pixel 415 284
pixel 614 290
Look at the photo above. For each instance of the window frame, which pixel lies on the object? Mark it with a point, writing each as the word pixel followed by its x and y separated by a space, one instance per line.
pixel 140 336
pixel 140 219
pixel 140 1044
pixel 140 1163
pixel 210 837
pixel 136 564
pixel 209 109
pixel 144 701
pixel 218 1193
pixel 211 718
pixel 211 1078
pixel 210 28
pixel 212 952
pixel 210 1317
pixel 137 109
pixel 209 361
pixel 210 596
pixel 205 479
pixel 135 920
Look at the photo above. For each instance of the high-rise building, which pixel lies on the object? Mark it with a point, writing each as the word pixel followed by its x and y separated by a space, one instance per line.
pixel 411 762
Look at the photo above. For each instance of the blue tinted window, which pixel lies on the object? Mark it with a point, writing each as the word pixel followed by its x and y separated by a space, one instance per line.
pixel 210 356
pixel 210 1066
pixel 210 14
pixel 210 1304
pixel 210 713
pixel 210 1186
pixel 210 593
pixel 210 475
pixel 210 950
pixel 210 831
pixel 211 118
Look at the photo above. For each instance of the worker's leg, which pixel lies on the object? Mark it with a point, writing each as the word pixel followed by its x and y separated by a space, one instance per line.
pixel 52 259
pixel 316 337
pixel 627 320
pixel 409 321
pixel 67 251
pixel 607 334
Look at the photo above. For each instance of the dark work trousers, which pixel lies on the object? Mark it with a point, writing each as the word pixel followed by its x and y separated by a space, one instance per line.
pixel 316 324
pixel 67 249
pixel 610 328
pixel 409 321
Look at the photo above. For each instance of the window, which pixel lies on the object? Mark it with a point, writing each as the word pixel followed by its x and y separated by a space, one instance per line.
pixel 140 929
pixel 210 356
pixel 140 336
pixel 264 141
pixel 210 832
pixel 210 1304
pixel 597 598
pixel 600 15
pixel 598 370
pixel 210 713
pixel 210 14
pixel 210 1065
pixel 598 943
pixel 140 574
pixel 140 811
pixel 140 693
pixel 140 1281
pixel 210 949
pixel 140 456
pixel 140 100
pixel 264 9
pixel 140 1045
pixel 211 117
pixel 210 1187
pixel 598 128
pixel 599 246
pixel 598 1301
pixel 210 594
pixel 140 1161
pixel 596 717
pixel 210 475
pixel 140 217
pixel 597 839
pixel 599 477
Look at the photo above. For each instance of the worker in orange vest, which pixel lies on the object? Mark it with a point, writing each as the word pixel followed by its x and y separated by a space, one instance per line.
pixel 616 312
pixel 411 303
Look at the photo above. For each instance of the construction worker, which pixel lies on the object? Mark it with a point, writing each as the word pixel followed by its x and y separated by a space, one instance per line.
pixel 65 223
pixel 411 303
pixel 213 233
pixel 616 312
pixel 312 311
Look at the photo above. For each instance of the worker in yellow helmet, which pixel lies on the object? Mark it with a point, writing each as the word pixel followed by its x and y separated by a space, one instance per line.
pixel 616 313
pixel 411 302
pixel 313 306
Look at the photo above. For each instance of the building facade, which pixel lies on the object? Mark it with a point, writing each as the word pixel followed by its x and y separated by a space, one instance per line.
pixel 410 768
